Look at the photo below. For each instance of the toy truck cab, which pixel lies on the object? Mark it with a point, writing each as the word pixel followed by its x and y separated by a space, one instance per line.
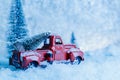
pixel 60 51
pixel 52 50
pixel 55 44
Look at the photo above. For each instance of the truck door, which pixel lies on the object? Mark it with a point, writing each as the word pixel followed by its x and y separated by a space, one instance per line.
pixel 59 49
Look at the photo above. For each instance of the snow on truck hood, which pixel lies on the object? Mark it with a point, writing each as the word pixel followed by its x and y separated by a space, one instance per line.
pixel 74 50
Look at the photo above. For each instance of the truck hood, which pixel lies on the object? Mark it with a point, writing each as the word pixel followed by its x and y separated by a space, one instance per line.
pixel 69 46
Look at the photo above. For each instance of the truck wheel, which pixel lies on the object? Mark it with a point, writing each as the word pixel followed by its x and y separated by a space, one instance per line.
pixel 33 64
pixel 50 62
pixel 77 61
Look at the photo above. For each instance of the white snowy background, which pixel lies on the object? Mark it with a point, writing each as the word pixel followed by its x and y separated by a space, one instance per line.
pixel 96 24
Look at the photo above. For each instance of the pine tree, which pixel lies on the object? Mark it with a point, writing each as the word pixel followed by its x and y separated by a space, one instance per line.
pixel 17 27
pixel 73 38
pixel 31 43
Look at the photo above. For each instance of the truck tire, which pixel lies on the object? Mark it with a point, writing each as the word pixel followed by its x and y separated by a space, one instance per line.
pixel 50 62
pixel 77 61
pixel 33 64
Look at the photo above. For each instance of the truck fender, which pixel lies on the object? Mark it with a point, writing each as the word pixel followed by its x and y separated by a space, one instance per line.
pixel 32 59
pixel 72 56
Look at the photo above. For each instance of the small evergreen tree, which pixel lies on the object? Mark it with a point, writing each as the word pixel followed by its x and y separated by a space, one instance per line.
pixel 17 27
pixel 31 43
pixel 73 38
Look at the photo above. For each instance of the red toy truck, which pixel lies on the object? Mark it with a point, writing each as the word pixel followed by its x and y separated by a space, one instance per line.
pixel 52 50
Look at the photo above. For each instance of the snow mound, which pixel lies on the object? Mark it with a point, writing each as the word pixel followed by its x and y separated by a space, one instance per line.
pixel 87 70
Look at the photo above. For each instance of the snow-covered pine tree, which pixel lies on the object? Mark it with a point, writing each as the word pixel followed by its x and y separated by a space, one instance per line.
pixel 73 38
pixel 31 43
pixel 17 27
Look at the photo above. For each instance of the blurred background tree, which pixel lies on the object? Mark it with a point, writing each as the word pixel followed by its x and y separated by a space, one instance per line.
pixel 73 39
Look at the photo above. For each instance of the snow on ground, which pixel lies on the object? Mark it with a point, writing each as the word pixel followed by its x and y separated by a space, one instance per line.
pixel 96 27
pixel 107 69
pixel 98 65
